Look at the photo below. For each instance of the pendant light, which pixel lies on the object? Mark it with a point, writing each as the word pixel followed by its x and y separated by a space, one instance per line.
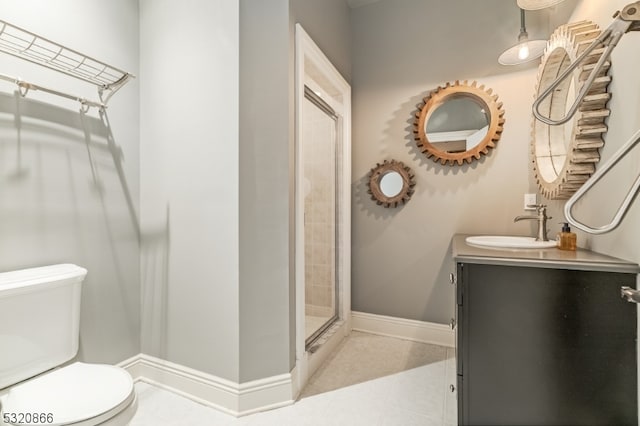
pixel 537 4
pixel 526 50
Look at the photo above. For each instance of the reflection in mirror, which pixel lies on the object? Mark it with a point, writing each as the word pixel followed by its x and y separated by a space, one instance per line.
pixel 459 122
pixel 457 125
pixel 391 183
pixel 564 156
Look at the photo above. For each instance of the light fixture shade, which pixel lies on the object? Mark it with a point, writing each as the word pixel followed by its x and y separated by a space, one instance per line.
pixel 537 4
pixel 512 56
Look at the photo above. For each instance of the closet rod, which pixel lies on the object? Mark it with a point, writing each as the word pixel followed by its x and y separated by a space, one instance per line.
pixel 24 87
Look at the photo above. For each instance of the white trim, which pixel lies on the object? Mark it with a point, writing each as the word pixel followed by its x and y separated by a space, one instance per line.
pixel 337 92
pixel 418 331
pixel 456 135
pixel 236 399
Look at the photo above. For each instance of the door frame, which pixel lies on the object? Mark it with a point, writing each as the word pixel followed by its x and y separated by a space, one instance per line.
pixel 313 69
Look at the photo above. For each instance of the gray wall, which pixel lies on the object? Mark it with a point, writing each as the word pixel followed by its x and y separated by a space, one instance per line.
pixel 61 196
pixel 401 257
pixel 328 23
pixel 401 51
pixel 265 143
pixel 189 180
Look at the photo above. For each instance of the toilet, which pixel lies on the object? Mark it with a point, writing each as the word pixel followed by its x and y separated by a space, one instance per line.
pixel 39 331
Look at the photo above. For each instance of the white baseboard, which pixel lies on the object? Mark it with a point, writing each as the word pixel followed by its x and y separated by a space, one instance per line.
pixel 237 399
pixel 419 331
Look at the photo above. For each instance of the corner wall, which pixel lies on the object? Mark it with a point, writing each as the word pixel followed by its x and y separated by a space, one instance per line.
pixel 189 53
pixel 265 314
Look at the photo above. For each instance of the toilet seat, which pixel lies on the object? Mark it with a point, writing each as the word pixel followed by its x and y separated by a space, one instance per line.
pixel 79 394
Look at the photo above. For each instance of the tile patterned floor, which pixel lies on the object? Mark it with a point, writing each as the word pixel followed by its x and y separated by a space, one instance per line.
pixel 368 381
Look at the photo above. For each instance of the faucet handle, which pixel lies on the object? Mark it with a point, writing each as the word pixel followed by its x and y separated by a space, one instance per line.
pixel 540 208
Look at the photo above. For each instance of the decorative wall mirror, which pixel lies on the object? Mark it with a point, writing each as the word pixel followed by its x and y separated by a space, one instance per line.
pixel 458 122
pixel 391 183
pixel 564 156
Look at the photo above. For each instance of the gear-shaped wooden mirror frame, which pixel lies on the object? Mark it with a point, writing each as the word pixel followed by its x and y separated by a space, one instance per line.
pixel 375 178
pixel 485 99
pixel 564 156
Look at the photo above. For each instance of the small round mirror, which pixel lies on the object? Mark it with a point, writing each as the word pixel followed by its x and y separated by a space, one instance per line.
pixel 459 122
pixel 391 183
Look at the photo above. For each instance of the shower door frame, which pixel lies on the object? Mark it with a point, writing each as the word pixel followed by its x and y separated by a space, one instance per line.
pixel 317 102
pixel 313 69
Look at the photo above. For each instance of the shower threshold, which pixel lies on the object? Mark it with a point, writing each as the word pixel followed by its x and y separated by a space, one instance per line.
pixel 322 334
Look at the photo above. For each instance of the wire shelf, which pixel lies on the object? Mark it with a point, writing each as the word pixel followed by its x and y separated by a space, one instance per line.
pixel 31 47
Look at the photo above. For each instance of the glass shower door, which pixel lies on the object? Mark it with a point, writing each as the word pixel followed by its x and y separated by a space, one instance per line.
pixel 320 215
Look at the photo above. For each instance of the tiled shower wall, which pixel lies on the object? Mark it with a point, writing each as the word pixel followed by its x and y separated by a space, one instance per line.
pixel 320 211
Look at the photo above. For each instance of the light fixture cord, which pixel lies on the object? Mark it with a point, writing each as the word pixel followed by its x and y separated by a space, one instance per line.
pixel 523 29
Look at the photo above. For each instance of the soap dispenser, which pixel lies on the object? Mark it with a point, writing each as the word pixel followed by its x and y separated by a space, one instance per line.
pixel 567 240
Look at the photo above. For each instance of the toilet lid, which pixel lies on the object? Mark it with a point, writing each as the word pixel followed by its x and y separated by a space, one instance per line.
pixel 71 394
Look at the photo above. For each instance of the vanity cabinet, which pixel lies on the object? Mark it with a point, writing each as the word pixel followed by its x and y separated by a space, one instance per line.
pixel 544 338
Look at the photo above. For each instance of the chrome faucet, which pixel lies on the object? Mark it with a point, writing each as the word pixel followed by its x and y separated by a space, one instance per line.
pixel 541 217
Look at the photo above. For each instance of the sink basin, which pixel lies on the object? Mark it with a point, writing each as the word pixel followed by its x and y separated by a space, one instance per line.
pixel 508 242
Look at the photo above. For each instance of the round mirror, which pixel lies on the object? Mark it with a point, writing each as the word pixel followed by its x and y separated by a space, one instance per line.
pixel 391 183
pixel 564 156
pixel 459 122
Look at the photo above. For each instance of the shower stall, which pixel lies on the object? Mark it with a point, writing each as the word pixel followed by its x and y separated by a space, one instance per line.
pixel 322 207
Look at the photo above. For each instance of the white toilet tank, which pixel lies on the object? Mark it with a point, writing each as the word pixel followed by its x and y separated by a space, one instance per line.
pixel 39 320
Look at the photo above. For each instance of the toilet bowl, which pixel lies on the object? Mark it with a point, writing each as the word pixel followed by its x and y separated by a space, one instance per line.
pixel 79 394
pixel 39 321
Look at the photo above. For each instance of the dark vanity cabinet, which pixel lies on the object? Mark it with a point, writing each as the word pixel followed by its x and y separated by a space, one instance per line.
pixel 544 340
